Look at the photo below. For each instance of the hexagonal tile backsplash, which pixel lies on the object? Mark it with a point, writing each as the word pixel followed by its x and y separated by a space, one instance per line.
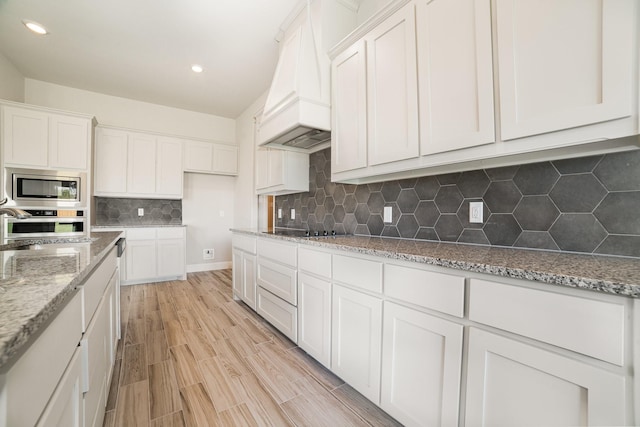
pixel 121 211
pixel 588 204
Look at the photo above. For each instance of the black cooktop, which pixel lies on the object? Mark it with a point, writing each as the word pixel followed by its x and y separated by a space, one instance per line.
pixel 302 233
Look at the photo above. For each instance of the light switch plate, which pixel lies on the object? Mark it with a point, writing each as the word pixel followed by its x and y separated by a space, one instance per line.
pixel 475 212
pixel 293 214
pixel 388 214
pixel 279 213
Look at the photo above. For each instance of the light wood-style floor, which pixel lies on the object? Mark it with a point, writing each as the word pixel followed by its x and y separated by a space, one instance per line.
pixel 191 356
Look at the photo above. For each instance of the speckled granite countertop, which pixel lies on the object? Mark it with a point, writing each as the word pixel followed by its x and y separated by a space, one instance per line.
pixel 613 275
pixel 36 283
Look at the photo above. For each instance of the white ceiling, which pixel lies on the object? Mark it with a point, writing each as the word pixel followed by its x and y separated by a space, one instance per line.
pixel 144 49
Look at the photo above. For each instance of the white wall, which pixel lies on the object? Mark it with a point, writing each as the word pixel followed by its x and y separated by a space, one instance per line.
pixel 129 113
pixel 208 211
pixel 204 195
pixel 368 8
pixel 246 201
pixel 11 81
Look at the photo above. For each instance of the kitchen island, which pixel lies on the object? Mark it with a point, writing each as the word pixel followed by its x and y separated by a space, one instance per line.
pixel 33 291
pixel 453 334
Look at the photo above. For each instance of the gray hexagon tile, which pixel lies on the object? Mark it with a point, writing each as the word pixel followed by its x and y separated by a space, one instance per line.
pixel 448 199
pixel 577 193
pixel 124 212
pixel 583 204
pixel 578 232
pixel 536 213
pixel 502 197
pixel 536 178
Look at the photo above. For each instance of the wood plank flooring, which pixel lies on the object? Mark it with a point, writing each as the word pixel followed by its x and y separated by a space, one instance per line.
pixel 192 356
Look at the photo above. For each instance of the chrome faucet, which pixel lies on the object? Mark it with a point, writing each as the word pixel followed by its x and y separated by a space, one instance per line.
pixel 14 212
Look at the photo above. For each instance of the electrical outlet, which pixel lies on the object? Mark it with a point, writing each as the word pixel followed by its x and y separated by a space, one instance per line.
pixel 208 254
pixel 388 214
pixel 279 213
pixel 293 214
pixel 140 211
pixel 475 212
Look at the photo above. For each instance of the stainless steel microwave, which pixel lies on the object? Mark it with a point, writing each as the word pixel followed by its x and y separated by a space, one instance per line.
pixel 45 188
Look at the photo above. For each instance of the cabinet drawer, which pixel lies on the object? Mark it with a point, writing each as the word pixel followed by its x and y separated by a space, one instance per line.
pixel 93 288
pixel 314 262
pixel 280 314
pixel 278 279
pixel 170 232
pixel 244 243
pixel 358 272
pixel 141 234
pixel 592 327
pixel 93 345
pixel 285 253
pixel 441 292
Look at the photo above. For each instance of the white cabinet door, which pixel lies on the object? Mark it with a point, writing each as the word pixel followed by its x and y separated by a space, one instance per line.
pixel 421 367
pixel 314 317
pixel 225 159
pixel 281 172
pixel 356 340
pixel 249 280
pixel 455 74
pixel 65 407
pixel 141 173
pixel 563 64
pixel 69 139
pixel 110 161
pixel 392 89
pixel 349 102
pixel 198 156
pixel 511 383
pixel 141 259
pixel 237 273
pixel 169 167
pixel 171 261
pixel 25 137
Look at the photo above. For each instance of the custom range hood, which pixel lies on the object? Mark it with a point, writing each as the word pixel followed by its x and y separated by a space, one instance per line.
pixel 297 112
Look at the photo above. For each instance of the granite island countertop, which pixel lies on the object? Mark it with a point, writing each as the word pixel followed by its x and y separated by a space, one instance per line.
pixel 35 284
pixel 609 274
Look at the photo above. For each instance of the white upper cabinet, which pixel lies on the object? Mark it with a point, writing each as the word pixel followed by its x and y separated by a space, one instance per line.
pixel 281 172
pixel 141 174
pixel 349 95
pixel 455 74
pixel 169 172
pixel 563 64
pixel 110 174
pixel 392 88
pixel 44 140
pixel 210 157
pixel 136 164
pixel 563 75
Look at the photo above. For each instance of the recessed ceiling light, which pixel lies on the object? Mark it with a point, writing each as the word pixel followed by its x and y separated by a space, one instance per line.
pixel 35 27
pixel 197 68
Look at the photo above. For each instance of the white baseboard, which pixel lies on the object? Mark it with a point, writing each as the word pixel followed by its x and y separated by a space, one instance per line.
pixel 194 268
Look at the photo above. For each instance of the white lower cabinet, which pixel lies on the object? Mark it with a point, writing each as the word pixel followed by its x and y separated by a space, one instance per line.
pixel 510 383
pixel 314 317
pixel 421 367
pixel 434 346
pixel 244 277
pixel 279 313
pixel 65 407
pixel 356 340
pixel 154 254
